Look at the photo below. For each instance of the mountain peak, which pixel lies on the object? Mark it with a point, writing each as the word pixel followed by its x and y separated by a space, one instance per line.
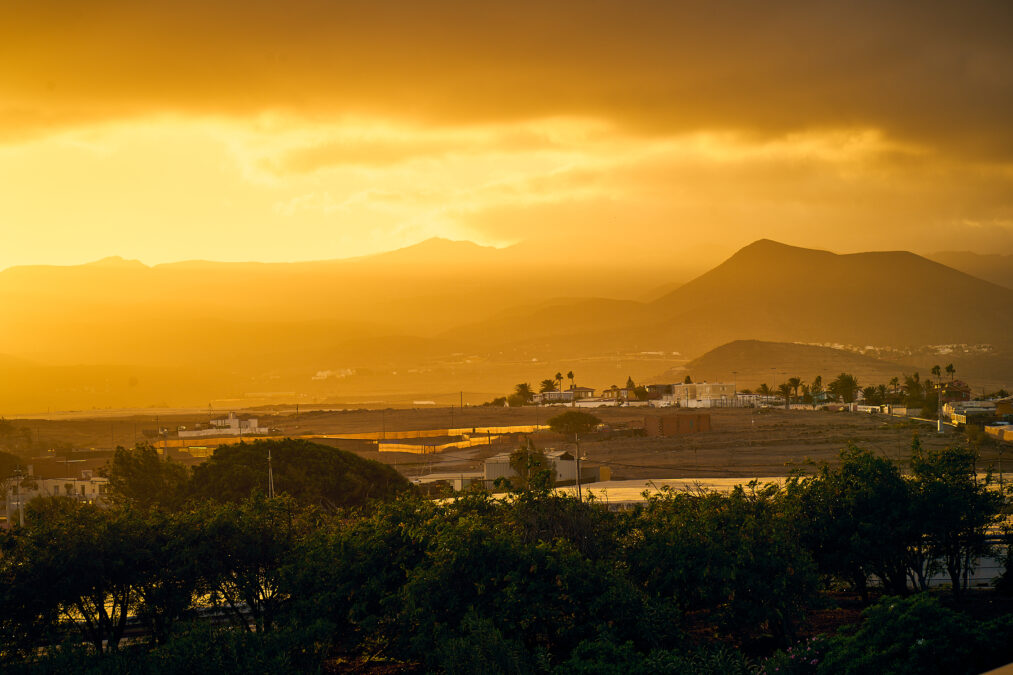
pixel 118 262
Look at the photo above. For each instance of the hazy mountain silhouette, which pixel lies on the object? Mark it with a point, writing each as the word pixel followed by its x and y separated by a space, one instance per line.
pixel 751 362
pixel 442 315
pixel 993 267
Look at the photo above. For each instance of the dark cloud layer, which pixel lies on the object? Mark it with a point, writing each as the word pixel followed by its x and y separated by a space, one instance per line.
pixel 939 75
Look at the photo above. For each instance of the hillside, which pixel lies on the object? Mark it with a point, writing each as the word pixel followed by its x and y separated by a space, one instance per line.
pixel 751 362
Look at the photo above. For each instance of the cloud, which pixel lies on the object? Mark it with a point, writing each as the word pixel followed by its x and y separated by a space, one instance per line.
pixel 935 74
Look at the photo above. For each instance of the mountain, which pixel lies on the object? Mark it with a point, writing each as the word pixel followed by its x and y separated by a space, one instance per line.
pixel 994 267
pixel 752 362
pixel 774 292
pixel 445 316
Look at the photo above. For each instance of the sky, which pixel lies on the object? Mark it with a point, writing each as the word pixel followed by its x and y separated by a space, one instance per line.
pixel 651 131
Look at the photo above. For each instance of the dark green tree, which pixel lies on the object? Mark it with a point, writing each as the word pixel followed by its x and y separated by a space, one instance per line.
pixel 955 509
pixel 140 478
pixel 311 473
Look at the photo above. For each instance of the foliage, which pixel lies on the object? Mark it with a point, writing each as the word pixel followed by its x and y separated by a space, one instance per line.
pixel 855 518
pixel 140 478
pixel 801 658
pixel 918 635
pixel 310 473
pixel 844 388
pixel 574 422
pixel 734 556
pixel 547 385
pixel 532 468
pixel 954 508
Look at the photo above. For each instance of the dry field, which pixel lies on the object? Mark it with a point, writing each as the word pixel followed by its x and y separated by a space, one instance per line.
pixel 743 443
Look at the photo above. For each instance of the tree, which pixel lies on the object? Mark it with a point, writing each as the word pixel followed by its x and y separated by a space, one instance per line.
pixel 954 508
pixel 784 389
pixel 937 372
pixel 869 395
pixel 546 386
pixel 140 478
pixel 80 563
pixel 951 371
pixel 574 423
pixel 569 376
pixel 894 384
pixel 311 473
pixel 687 380
pixel 844 387
pixel 522 395
pixel 914 392
pixel 764 390
pixel 630 384
pixel 817 385
pixel 795 383
pixel 856 518
pixel 559 379
pixel 532 468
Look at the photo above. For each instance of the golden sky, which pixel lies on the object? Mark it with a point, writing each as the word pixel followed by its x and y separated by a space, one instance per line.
pixel 306 129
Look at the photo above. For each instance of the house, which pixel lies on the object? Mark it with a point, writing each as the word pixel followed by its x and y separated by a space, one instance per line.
pixel 676 424
pixel 563 465
pixel 703 395
pixel 957 390
pixel 88 488
pixel 615 393
pixel 580 393
pixel 226 426
pixel 556 396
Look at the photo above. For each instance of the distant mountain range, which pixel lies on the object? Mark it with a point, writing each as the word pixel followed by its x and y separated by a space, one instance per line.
pixel 770 291
pixel 443 316
pixel 994 267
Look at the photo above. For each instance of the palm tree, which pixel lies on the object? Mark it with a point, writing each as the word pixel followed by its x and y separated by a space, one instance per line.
pixel 559 379
pixel 937 371
pixel 845 387
pixel 764 390
pixel 795 383
pixel 817 385
pixel 523 391
pixel 881 392
pixel 569 376
pixel 547 385
pixel 784 389
pixel 894 384
pixel 951 371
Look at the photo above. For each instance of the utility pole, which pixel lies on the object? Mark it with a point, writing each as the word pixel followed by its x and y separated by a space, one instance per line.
pixel 576 439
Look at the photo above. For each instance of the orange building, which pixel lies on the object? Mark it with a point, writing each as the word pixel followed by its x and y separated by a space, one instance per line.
pixel 676 424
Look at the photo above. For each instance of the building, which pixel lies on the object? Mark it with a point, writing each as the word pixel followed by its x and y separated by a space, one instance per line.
pixel 580 393
pixel 952 409
pixel 226 426
pixel 87 488
pixel 556 396
pixel 615 393
pixel 676 424
pixel 702 395
pixel 957 390
pixel 563 465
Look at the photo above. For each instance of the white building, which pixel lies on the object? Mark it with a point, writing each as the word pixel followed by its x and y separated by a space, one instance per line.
pixel 702 395
pixel 88 488
pixel 563 464
pixel 227 426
